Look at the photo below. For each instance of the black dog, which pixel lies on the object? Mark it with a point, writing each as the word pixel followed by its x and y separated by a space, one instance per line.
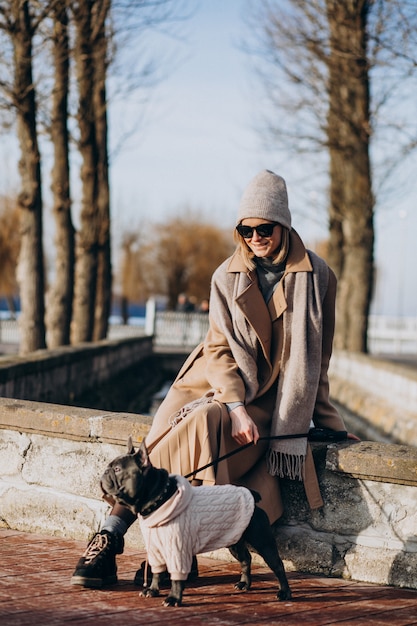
pixel 151 493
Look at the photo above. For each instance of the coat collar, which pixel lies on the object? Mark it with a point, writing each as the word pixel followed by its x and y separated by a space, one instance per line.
pixel 251 301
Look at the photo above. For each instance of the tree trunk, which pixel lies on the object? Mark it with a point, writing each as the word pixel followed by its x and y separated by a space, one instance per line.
pixel 11 306
pixel 86 241
pixel 30 272
pixel 124 309
pixel 60 297
pixel 104 273
pixel 351 198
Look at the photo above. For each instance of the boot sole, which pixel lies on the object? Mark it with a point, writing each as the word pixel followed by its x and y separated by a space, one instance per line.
pixel 95 583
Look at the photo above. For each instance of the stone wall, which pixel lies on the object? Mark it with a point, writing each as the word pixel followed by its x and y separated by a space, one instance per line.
pixel 63 374
pixel 51 458
pixel 378 398
pixel 382 395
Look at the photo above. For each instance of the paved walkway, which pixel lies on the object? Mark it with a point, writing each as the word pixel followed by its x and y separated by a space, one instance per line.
pixel 34 589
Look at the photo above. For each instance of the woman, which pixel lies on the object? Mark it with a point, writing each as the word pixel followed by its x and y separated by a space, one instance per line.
pixel 259 377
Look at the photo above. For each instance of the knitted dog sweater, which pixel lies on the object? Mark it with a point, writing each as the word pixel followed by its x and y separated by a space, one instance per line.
pixel 195 520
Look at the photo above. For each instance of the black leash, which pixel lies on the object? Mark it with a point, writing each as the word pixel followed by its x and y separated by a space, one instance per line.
pixel 243 447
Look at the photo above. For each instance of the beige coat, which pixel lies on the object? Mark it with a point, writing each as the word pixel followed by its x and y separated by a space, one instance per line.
pixel 205 433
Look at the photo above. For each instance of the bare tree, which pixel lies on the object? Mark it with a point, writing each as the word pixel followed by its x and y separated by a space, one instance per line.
pixel 20 24
pixel 59 309
pixel 92 293
pixel 179 258
pixel 9 250
pixel 101 44
pixel 94 44
pixel 189 250
pixel 320 57
pixel 87 236
pixel 79 301
pixel 130 287
pixel 351 207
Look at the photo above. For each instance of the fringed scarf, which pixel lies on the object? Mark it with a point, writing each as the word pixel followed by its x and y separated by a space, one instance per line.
pixel 299 371
pixel 300 360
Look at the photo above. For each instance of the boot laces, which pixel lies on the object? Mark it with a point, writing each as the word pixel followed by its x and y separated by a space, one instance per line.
pixel 96 547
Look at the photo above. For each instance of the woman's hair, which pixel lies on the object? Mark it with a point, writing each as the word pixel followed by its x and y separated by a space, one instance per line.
pixel 249 257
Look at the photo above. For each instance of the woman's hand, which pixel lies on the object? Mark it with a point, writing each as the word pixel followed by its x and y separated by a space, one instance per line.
pixel 244 429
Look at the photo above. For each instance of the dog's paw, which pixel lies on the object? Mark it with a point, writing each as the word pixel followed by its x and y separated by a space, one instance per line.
pixel 242 585
pixel 172 601
pixel 284 594
pixel 148 592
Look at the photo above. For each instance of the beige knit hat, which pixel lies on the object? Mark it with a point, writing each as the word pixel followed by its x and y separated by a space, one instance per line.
pixel 266 197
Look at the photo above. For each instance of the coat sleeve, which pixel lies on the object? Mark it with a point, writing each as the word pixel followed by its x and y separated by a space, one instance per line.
pixel 325 414
pixel 222 371
pixel 210 366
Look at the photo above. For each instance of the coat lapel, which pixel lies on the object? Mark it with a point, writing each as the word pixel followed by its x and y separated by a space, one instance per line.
pixel 251 301
pixel 277 303
pixel 298 261
pixel 253 307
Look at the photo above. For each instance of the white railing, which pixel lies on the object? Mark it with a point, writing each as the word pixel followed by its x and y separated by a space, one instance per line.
pixel 392 335
pixel 180 329
pixel 120 331
pixel 9 331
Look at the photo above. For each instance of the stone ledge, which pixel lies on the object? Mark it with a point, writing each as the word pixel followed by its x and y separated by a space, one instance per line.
pixel 64 374
pixel 44 360
pixel 366 460
pixel 52 457
pixel 68 422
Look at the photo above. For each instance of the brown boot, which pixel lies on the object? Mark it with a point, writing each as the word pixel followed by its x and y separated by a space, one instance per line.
pixel 97 566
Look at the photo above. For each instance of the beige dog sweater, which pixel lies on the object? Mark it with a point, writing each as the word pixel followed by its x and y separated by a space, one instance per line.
pixel 194 520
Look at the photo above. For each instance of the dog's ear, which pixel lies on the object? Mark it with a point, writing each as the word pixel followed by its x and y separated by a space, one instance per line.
pixel 141 456
pixel 130 448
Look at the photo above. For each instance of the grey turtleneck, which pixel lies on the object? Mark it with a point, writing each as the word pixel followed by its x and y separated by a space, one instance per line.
pixel 269 275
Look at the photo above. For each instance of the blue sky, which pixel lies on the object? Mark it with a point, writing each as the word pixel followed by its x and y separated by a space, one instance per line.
pixel 197 145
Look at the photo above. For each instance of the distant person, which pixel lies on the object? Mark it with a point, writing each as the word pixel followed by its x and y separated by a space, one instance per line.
pixel 184 304
pixel 261 373
pixel 204 306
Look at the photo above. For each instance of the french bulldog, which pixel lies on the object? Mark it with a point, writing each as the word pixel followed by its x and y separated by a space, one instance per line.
pixel 179 521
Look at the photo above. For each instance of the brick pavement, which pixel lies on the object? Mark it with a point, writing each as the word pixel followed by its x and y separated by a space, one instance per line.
pixel 35 589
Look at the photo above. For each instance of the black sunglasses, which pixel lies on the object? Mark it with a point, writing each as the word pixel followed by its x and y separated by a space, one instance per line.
pixel 263 230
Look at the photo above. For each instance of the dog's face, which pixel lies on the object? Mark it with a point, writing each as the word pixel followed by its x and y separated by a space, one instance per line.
pixel 124 477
